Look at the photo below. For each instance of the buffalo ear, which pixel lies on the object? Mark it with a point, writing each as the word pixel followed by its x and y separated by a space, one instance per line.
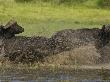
pixel 103 27
pixel 10 23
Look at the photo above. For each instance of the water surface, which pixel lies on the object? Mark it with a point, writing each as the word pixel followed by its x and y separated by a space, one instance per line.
pixel 49 75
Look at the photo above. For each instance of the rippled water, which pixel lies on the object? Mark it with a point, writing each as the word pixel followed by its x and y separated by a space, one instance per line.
pixel 17 75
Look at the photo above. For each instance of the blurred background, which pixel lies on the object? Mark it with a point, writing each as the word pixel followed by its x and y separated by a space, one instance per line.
pixel 44 17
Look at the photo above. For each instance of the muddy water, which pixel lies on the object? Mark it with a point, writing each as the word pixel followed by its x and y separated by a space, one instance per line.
pixel 45 74
pixel 50 75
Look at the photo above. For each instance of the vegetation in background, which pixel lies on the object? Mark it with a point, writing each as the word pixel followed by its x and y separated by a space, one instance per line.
pixel 100 3
pixel 43 18
pixel 53 1
pixel 23 0
pixel 104 3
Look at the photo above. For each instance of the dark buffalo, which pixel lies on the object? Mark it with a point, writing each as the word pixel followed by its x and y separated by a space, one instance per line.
pixel 26 49
pixel 21 48
pixel 69 39
pixel 8 31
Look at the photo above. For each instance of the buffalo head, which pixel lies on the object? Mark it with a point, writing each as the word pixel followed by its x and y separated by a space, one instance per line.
pixel 104 35
pixel 12 28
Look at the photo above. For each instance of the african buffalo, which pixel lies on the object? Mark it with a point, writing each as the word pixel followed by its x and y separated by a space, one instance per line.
pixel 69 39
pixel 7 32
pixel 20 48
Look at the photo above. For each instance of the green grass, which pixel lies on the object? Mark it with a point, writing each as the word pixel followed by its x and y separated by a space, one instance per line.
pixel 45 19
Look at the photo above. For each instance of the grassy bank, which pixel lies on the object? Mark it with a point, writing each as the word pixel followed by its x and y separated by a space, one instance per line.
pixel 44 19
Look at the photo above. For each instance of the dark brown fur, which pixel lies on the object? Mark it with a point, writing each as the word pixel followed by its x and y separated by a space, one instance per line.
pixel 69 39
pixel 26 49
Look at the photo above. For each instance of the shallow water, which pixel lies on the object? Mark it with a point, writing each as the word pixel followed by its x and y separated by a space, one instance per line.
pixel 38 75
